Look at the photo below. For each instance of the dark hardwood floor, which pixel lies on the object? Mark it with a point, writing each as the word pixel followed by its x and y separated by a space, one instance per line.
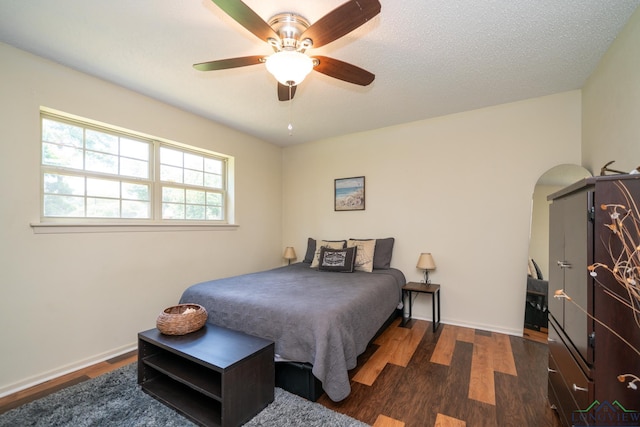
pixel 454 377
pixel 414 377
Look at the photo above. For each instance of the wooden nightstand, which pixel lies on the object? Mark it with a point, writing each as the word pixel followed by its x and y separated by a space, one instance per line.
pixel 430 288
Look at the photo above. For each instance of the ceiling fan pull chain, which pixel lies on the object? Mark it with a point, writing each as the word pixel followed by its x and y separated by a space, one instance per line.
pixel 290 126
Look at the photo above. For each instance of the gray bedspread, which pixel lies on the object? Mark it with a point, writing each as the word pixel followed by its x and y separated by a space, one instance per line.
pixel 323 318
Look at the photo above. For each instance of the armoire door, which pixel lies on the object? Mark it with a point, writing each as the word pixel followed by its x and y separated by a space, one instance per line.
pixel 569 251
pixel 556 254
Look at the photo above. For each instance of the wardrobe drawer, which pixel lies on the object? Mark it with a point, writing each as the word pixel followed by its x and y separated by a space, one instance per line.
pixel 561 396
pixel 580 387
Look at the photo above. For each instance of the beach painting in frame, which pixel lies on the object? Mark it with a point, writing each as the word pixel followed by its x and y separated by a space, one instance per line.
pixel 349 194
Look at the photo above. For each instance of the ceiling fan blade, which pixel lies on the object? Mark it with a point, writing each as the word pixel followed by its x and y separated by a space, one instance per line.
pixel 343 71
pixel 223 64
pixel 341 21
pixel 246 17
pixel 284 94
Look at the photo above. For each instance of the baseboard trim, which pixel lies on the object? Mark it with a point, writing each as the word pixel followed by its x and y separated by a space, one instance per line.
pixel 64 370
pixel 490 328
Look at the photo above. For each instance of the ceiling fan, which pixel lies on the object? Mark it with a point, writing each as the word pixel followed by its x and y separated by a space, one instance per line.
pixel 290 35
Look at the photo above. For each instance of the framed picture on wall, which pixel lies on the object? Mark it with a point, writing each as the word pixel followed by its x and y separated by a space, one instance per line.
pixel 349 194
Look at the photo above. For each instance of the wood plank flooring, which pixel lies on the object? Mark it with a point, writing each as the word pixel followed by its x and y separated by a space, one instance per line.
pixel 413 377
pixel 540 336
pixel 451 378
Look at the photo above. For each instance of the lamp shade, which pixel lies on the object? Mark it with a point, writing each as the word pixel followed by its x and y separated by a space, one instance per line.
pixel 426 262
pixel 289 66
pixel 289 253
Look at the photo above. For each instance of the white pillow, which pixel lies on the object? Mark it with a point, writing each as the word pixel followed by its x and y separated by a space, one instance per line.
pixel 364 254
pixel 331 244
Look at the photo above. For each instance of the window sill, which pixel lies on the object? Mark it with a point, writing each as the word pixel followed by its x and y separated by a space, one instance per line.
pixel 67 227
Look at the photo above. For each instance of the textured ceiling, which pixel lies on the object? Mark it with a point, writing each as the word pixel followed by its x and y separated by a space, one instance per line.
pixel 430 57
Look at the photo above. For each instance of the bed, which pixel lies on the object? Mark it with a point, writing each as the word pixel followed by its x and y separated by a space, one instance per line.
pixel 321 318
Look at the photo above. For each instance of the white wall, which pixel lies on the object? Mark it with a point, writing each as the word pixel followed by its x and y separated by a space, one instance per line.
pixel 611 105
pixel 458 186
pixel 71 299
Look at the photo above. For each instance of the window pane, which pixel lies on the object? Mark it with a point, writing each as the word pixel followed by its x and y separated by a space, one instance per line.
pixel 135 168
pixel 195 197
pixel 175 195
pixel 134 149
pixel 59 155
pixel 170 174
pixel 65 206
pixel 100 141
pixel 135 191
pixel 103 208
pixel 213 166
pixel 172 211
pixel 100 162
pixel 131 209
pixel 212 181
pixel 63 184
pixel 193 177
pixel 214 199
pixel 61 133
pixel 195 212
pixel 103 188
pixel 170 157
pixel 192 161
pixel 214 212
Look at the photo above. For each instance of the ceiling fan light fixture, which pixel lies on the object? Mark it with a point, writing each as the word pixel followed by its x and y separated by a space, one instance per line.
pixel 289 67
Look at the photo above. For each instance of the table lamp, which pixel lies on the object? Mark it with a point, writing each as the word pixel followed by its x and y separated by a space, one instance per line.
pixel 289 254
pixel 426 263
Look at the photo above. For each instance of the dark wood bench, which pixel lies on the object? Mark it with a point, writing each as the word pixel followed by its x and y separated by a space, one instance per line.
pixel 214 376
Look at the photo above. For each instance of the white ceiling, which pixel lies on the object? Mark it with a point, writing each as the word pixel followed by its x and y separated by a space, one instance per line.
pixel 430 57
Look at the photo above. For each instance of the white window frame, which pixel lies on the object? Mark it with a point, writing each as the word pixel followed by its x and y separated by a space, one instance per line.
pixel 61 224
pixel 162 184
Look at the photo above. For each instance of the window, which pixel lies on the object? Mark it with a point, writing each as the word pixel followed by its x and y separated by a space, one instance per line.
pixel 94 172
pixel 193 187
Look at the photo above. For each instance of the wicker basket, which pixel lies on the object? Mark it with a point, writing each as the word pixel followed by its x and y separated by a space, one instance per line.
pixel 174 320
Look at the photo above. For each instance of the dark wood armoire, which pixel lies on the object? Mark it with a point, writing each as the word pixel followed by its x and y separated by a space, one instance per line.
pixel 591 367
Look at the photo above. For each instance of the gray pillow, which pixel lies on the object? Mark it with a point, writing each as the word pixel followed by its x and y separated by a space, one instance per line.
pixel 311 251
pixel 383 253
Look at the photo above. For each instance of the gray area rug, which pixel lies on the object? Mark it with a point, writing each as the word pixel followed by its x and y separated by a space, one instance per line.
pixel 115 399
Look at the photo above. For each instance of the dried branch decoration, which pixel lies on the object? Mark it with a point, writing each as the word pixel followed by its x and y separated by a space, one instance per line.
pixel 625 261
pixel 624 251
